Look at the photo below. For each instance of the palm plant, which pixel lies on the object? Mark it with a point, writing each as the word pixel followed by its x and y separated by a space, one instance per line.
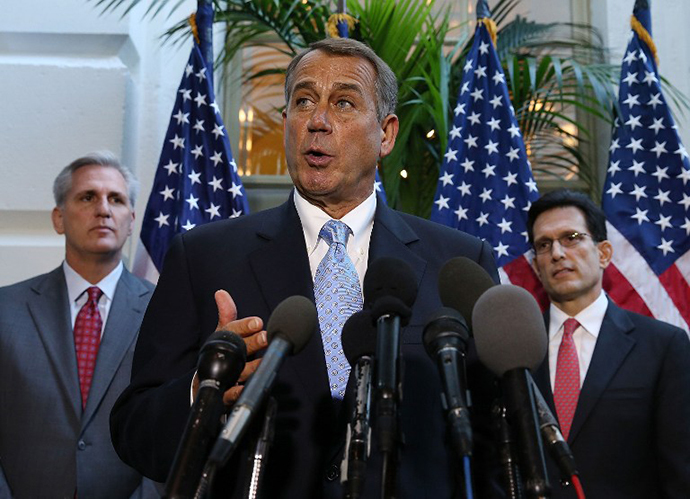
pixel 554 73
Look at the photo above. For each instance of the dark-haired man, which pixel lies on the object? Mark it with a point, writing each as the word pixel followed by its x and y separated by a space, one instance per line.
pixel 618 382
pixel 338 122
pixel 66 345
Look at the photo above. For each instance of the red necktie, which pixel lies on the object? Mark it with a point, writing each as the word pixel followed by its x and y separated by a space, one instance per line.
pixel 87 337
pixel 567 386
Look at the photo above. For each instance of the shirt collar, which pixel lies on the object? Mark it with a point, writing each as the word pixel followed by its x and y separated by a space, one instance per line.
pixel 76 284
pixel 313 218
pixel 589 318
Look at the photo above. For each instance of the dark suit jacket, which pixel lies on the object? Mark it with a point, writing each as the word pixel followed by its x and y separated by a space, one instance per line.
pixel 48 447
pixel 631 430
pixel 261 259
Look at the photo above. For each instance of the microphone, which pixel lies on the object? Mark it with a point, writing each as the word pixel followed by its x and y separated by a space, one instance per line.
pixel 390 289
pixel 511 339
pixel 220 363
pixel 359 345
pixel 445 338
pixel 290 327
pixel 460 284
pixel 551 433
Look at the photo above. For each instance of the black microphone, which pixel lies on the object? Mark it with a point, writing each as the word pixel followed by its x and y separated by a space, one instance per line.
pixel 359 345
pixel 290 327
pixel 220 363
pixel 390 289
pixel 511 339
pixel 460 284
pixel 555 443
pixel 445 338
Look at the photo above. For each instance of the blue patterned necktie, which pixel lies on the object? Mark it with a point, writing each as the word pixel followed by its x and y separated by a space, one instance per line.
pixel 338 295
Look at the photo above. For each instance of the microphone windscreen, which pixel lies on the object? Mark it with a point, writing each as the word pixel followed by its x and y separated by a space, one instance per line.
pixel 509 329
pixel 359 336
pixel 387 278
pixel 295 320
pixel 460 284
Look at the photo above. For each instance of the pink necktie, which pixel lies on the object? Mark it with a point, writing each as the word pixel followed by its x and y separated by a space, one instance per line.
pixel 567 386
pixel 87 337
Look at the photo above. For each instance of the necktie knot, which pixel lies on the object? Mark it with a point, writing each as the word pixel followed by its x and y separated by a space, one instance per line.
pixel 335 231
pixel 569 326
pixel 94 293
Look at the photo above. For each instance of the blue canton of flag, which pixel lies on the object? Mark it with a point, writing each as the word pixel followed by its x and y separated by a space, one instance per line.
pixel 486 185
pixel 196 181
pixel 647 190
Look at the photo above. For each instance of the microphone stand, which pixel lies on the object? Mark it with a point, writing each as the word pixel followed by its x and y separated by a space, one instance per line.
pixel 506 450
pixel 262 446
pixel 387 395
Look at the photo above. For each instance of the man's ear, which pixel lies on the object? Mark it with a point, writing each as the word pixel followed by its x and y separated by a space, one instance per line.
pixel 389 131
pixel 605 253
pixel 56 217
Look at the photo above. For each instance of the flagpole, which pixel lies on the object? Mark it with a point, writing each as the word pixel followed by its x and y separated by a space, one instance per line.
pixel 204 22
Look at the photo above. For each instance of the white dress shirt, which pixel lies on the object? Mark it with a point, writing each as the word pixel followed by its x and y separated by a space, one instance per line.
pixel 360 220
pixel 585 336
pixel 77 286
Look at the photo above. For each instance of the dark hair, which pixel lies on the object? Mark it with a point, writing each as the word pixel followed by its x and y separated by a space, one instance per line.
pixel 63 182
pixel 594 216
pixel 386 85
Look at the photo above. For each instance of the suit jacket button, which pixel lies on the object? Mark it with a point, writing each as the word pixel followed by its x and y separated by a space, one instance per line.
pixel 333 473
pixel 81 445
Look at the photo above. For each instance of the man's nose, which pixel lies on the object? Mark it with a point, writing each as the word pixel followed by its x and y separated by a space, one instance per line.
pixel 319 121
pixel 557 250
pixel 103 208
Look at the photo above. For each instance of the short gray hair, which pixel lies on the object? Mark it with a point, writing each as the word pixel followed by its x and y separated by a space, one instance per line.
pixel 386 84
pixel 63 182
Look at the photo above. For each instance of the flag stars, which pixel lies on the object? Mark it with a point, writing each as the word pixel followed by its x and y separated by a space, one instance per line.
pixel 189 69
pixel 235 190
pixel 634 121
pixel 162 219
pixel 454 132
pixel 638 192
pixel 657 125
pixel 665 246
pixel 501 249
pixel 217 131
pixel 681 152
pixel 659 148
pixel 635 145
pixel 468 66
pixel 663 197
pixel 640 216
pixel 459 109
pixel 510 179
pixel 496 101
pixel 649 78
pixel 474 118
pixel 200 99
pixel 451 155
pixel 216 183
pixel 483 48
pixel 197 151
pixel 630 57
pixel 194 177
pixel 532 185
pixel 664 222
pixel 235 213
pixel 447 178
pixel 468 165
pixel 461 213
pixel 167 193
pixel 491 147
pixel 494 124
pixel 614 189
pixel 215 107
pixel 480 72
pixel 630 78
pixel 171 167
pixel 181 117
pixel 505 226
pixel 614 168
pixel 498 77
pixel 508 202
pixel 614 145
pixel 477 94
pixel 464 189
pixel 213 211
pixel 177 142
pixel 632 100
pixel 186 94
pixel 513 153
pixel 471 141
pixel 514 130
pixel 193 202
pixel 482 219
pixel 199 126
pixel 686 227
pixel 660 173
pixel 465 88
pixel 654 100
pixel 442 202
pixel 488 171
pixel 685 202
pixel 637 167
pixel 201 75
pixel 217 158
pixel 485 195
pixel 189 225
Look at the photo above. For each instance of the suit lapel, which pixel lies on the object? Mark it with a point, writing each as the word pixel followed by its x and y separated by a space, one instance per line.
pixel 542 376
pixel 121 328
pixel 612 347
pixel 49 309
pixel 281 267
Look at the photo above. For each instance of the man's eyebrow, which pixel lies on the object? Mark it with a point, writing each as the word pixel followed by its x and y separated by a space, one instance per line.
pixel 309 85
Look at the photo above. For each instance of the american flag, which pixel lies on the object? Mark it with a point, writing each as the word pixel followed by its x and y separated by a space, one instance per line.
pixel 196 181
pixel 486 185
pixel 647 193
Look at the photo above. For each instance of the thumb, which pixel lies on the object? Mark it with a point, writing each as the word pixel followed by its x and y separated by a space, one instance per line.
pixel 227 311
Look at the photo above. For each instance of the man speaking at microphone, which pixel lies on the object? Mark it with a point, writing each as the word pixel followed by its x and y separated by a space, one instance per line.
pixel 339 120
pixel 619 382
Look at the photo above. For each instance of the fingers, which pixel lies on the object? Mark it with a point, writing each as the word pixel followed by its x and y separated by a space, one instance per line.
pixel 227 311
pixel 231 395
